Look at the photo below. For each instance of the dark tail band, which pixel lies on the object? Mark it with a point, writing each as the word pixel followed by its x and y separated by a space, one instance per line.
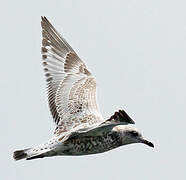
pixel 20 154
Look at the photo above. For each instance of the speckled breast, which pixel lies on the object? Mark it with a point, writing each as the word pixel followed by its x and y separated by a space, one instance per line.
pixel 92 145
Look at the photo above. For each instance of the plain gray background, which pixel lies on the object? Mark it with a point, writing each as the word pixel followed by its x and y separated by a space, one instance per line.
pixel 137 52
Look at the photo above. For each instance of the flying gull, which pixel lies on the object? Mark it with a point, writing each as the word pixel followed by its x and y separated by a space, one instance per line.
pixel 80 127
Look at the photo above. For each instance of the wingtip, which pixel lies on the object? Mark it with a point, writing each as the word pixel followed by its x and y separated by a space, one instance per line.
pixel 44 21
pixel 127 116
pixel 132 122
pixel 43 18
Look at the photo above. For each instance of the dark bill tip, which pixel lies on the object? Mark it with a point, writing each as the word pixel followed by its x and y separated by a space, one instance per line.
pixel 148 143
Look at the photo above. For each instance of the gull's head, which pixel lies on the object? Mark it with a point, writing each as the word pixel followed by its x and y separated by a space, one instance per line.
pixel 130 135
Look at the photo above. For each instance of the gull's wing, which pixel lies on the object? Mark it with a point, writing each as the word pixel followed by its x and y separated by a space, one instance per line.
pixel 71 87
pixel 120 117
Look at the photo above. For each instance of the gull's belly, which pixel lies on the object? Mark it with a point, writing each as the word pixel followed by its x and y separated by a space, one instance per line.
pixel 91 145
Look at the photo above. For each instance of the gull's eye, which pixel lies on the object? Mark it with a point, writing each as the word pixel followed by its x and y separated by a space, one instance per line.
pixel 134 133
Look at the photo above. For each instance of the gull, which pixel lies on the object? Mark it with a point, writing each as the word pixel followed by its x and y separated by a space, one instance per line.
pixel 80 127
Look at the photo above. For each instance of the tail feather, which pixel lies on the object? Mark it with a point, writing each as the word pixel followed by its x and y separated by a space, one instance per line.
pixel 38 151
pixel 35 157
pixel 20 154
pixel 29 154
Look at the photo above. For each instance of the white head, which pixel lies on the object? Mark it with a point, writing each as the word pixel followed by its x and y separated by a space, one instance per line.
pixel 131 135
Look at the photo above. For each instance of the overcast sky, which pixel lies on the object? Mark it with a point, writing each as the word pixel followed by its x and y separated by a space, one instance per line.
pixel 137 52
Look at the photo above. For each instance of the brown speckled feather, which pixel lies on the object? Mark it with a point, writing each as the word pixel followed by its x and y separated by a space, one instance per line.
pixel 71 87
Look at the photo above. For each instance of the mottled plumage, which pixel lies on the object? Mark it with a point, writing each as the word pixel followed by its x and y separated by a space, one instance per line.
pixel 93 144
pixel 80 127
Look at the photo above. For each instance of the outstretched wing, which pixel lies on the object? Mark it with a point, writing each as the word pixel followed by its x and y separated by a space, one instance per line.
pixel 71 87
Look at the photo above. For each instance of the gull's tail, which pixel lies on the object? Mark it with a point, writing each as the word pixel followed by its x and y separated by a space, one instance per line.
pixel 31 153
pixel 20 154
pixel 39 151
